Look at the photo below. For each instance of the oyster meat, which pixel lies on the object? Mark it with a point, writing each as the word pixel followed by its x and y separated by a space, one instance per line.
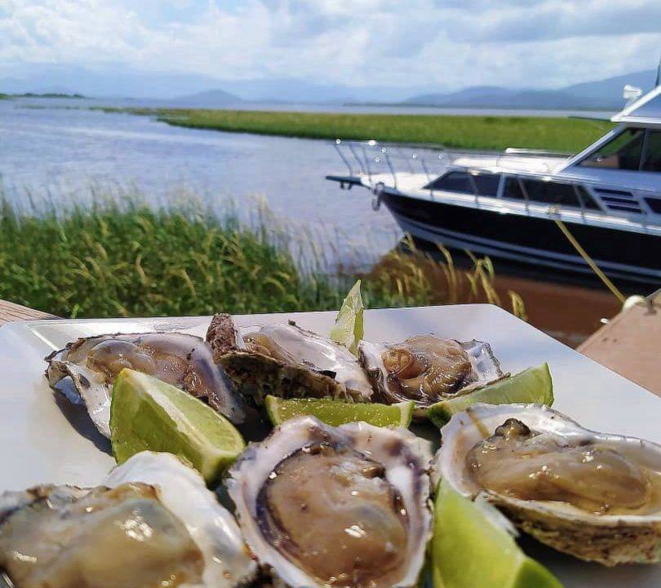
pixel 592 495
pixel 152 523
pixel 427 369
pixel 322 506
pixel 286 361
pixel 85 371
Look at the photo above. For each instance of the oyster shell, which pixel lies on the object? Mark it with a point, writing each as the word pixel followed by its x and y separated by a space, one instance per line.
pixel 344 506
pixel 427 369
pixel 286 361
pixel 153 522
pixel 589 494
pixel 85 371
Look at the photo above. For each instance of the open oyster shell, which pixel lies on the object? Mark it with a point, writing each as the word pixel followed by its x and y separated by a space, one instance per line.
pixel 286 361
pixel 85 370
pixel 344 506
pixel 152 522
pixel 428 369
pixel 592 495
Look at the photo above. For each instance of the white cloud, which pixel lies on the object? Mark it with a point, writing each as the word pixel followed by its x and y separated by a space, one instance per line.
pixel 448 43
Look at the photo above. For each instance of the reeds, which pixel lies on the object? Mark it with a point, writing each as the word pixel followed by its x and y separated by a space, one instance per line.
pixel 454 132
pixel 123 258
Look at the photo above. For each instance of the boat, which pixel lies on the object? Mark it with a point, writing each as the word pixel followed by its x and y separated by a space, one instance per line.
pixel 507 205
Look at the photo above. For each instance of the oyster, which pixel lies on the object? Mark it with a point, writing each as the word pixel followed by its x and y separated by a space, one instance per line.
pixel 346 506
pixel 592 495
pixel 427 369
pixel 85 371
pixel 152 523
pixel 286 361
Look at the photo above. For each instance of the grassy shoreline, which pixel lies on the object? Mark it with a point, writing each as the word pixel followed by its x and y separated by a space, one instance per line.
pixel 455 132
pixel 126 259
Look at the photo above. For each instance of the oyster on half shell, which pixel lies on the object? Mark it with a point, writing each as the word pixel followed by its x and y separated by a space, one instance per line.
pixel 346 507
pixel 152 523
pixel 589 494
pixel 428 369
pixel 85 370
pixel 286 361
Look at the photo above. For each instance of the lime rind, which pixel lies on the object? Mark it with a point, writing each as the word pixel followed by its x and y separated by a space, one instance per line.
pixel 335 413
pixel 472 547
pixel 148 414
pixel 348 328
pixel 531 386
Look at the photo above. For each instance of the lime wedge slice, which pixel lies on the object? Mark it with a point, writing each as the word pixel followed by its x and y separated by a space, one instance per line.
pixel 335 413
pixel 471 547
pixel 533 385
pixel 348 328
pixel 148 414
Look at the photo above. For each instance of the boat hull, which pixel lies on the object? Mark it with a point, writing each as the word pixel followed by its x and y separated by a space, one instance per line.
pixel 620 254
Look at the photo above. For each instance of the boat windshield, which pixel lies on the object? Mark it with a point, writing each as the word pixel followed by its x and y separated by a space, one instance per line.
pixel 633 149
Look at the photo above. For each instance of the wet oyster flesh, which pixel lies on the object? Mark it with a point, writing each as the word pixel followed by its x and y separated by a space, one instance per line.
pixel 286 361
pixel 168 531
pixel 185 361
pixel 427 369
pixel 65 542
pixel 523 464
pixel 346 507
pixel 595 496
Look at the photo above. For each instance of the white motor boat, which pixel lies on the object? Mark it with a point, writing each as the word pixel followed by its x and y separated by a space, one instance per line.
pixel 505 205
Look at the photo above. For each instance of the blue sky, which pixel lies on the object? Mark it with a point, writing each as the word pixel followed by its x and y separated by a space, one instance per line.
pixel 398 43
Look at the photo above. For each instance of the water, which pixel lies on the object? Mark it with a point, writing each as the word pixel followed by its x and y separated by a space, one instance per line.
pixel 59 152
pixel 54 153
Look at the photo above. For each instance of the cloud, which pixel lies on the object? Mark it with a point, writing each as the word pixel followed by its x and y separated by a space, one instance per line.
pixel 449 43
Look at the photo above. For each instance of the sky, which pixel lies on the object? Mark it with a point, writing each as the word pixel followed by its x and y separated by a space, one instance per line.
pixel 448 44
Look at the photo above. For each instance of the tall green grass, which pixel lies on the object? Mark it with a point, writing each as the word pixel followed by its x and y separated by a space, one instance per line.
pixel 127 259
pixel 458 132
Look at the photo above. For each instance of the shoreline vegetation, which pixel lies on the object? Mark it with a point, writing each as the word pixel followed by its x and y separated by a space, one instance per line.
pixel 119 257
pixel 563 135
pixel 35 95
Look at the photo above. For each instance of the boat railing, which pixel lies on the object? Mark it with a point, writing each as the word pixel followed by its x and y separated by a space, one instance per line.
pixel 371 158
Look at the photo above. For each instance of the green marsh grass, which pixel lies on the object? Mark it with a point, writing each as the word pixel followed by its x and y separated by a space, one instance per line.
pixel 123 258
pixel 455 132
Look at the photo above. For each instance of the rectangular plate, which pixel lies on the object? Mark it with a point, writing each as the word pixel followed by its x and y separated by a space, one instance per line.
pixel 38 443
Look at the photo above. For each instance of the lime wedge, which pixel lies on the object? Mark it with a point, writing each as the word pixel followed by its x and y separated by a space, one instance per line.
pixel 148 414
pixel 348 328
pixel 335 413
pixel 471 548
pixel 533 385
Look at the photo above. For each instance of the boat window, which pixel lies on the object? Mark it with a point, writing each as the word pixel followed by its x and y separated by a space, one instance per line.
pixel 622 152
pixel 452 182
pixel 654 204
pixel 551 193
pixel 652 156
pixel 487 184
pixel 513 189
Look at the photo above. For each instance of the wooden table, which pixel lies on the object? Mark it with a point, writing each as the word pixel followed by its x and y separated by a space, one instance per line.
pixel 10 312
pixel 629 344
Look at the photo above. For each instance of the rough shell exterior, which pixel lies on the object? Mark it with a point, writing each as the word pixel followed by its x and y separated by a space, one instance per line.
pixel 257 375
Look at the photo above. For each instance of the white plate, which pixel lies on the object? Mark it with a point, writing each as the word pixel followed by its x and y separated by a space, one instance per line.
pixel 38 443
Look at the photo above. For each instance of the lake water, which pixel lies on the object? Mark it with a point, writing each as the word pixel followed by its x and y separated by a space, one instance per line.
pixel 52 153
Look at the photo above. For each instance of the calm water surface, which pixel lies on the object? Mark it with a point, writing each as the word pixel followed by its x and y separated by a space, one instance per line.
pixel 56 154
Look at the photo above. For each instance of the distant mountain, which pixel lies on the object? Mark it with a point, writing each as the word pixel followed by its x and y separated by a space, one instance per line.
pixel 208 99
pixel 118 81
pixel 602 94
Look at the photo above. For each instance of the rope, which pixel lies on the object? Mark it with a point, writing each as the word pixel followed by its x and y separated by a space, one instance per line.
pixel 595 268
